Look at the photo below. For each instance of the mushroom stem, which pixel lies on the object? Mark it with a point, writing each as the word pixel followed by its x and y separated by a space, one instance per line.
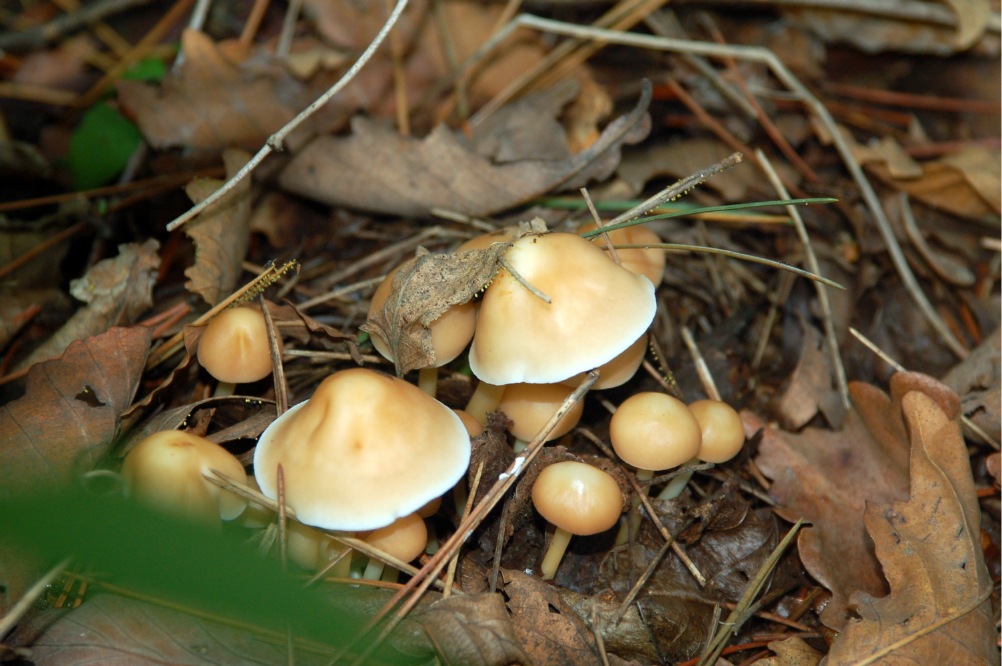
pixel 428 380
pixel 634 519
pixel 389 575
pixel 485 399
pixel 520 445
pixel 460 495
pixel 224 389
pixel 555 553
pixel 373 570
pixel 677 485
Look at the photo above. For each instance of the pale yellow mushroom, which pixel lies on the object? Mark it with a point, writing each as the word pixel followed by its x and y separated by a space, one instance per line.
pixel 234 347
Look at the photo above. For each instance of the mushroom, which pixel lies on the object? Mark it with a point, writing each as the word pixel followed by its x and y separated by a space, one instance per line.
pixel 502 235
pixel 530 406
pixel 723 434
pixel 473 426
pixel 649 262
pixel 404 539
pixel 365 450
pixel 619 370
pixel 597 310
pixel 234 348
pixel 653 432
pixel 578 499
pixel 166 470
pixel 450 333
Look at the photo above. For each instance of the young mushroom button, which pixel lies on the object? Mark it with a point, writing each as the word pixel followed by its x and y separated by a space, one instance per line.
pixel 234 346
pixel 597 310
pixel 723 434
pixel 578 499
pixel 365 450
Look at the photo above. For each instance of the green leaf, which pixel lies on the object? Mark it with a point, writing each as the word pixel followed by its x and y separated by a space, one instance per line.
pixel 150 69
pixel 101 146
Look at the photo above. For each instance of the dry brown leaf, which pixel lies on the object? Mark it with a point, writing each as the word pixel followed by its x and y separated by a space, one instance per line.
pixel 116 292
pixel 473 630
pixel 944 187
pixel 379 170
pixel 887 151
pixel 828 477
pixel 422 290
pixel 983 171
pixel 221 233
pixel 212 103
pixel 977 380
pixel 810 387
pixel 930 549
pixel 628 638
pixel 71 407
pixel 792 652
pixel 549 629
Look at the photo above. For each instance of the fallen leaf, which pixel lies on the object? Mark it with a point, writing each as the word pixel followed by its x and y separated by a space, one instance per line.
pixel 221 233
pixel 886 151
pixel 828 477
pixel 810 388
pixel 982 170
pixel 930 550
pixel 977 381
pixel 71 407
pixel 491 448
pixel 527 129
pixel 472 630
pixel 792 652
pixel 116 292
pixel 422 290
pixel 993 464
pixel 628 638
pixel 211 103
pixel 548 628
pixel 377 169
pixel 944 187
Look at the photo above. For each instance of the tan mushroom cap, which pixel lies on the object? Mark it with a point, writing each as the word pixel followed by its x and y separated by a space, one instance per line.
pixel 473 426
pixel 598 310
pixel 365 450
pixel 306 546
pixel 530 406
pixel 430 509
pixel 255 515
pixel 450 333
pixel 723 431
pixel 649 262
pixel 165 471
pixel 577 497
pixel 619 370
pixel 404 539
pixel 654 431
pixel 502 235
pixel 234 346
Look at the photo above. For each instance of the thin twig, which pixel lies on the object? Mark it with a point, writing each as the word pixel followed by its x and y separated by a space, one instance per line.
pixel 288 29
pixel 450 574
pixel 499 544
pixel 522 281
pixel 662 361
pixel 17 611
pixel 648 572
pixel 41 248
pixel 334 356
pixel 780 298
pixel 275 142
pixel 815 267
pixel 340 291
pixel 598 224
pixel 703 370
pixel 596 627
pixel 88 13
pixel 253 22
pixel 278 372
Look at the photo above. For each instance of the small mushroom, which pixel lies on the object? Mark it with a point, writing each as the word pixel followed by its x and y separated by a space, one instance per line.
pixel 166 470
pixel 404 539
pixel 578 499
pixel 234 348
pixel 365 450
pixel 619 370
pixel 723 435
pixel 530 406
pixel 649 262
pixel 597 310
pixel 450 333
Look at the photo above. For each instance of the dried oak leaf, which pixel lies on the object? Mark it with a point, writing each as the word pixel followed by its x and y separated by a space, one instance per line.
pixel 116 292
pixel 221 233
pixel 827 477
pixel 70 410
pixel 792 652
pixel 422 290
pixel 548 628
pixel 810 388
pixel 379 170
pixel 473 630
pixel 977 381
pixel 628 638
pixel 212 103
pixel 930 550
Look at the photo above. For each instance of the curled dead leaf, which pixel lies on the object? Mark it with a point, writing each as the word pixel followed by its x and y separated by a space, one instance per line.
pixel 473 630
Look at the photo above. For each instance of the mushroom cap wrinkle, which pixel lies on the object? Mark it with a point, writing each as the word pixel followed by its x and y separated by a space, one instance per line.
pixel 165 471
pixel 723 431
pixel 598 310
pixel 577 497
pixel 654 431
pixel 234 346
pixel 365 450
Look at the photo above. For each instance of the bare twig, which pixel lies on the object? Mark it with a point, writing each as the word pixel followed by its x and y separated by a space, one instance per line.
pixel 702 369
pixel 450 574
pixel 288 29
pixel 275 142
pixel 36 38
pixel 598 223
pixel 815 267
pixel 648 572
pixel 596 627
pixel 278 371
pixel 17 611
pixel 522 281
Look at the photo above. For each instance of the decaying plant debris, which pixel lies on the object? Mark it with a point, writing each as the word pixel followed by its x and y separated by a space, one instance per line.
pixel 859 524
